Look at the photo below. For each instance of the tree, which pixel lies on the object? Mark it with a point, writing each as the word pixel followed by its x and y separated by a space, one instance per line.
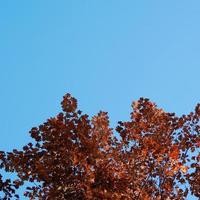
pixel 155 155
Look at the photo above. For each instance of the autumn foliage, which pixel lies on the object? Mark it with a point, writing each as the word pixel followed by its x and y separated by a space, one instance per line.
pixel 154 156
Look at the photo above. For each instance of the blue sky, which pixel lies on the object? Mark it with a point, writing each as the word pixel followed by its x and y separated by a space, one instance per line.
pixel 105 53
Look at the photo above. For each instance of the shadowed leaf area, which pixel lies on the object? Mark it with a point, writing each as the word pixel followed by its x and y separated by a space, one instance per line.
pixel 153 156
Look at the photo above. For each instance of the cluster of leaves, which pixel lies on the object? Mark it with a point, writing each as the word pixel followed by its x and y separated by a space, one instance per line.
pixel 156 156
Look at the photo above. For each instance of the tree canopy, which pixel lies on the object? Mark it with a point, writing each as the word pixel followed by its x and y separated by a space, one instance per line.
pixel 155 155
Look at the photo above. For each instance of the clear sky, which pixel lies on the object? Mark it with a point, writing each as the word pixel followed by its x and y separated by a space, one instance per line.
pixel 106 53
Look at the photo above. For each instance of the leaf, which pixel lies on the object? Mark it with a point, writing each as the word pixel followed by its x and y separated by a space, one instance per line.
pixel 174 154
pixel 77 157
